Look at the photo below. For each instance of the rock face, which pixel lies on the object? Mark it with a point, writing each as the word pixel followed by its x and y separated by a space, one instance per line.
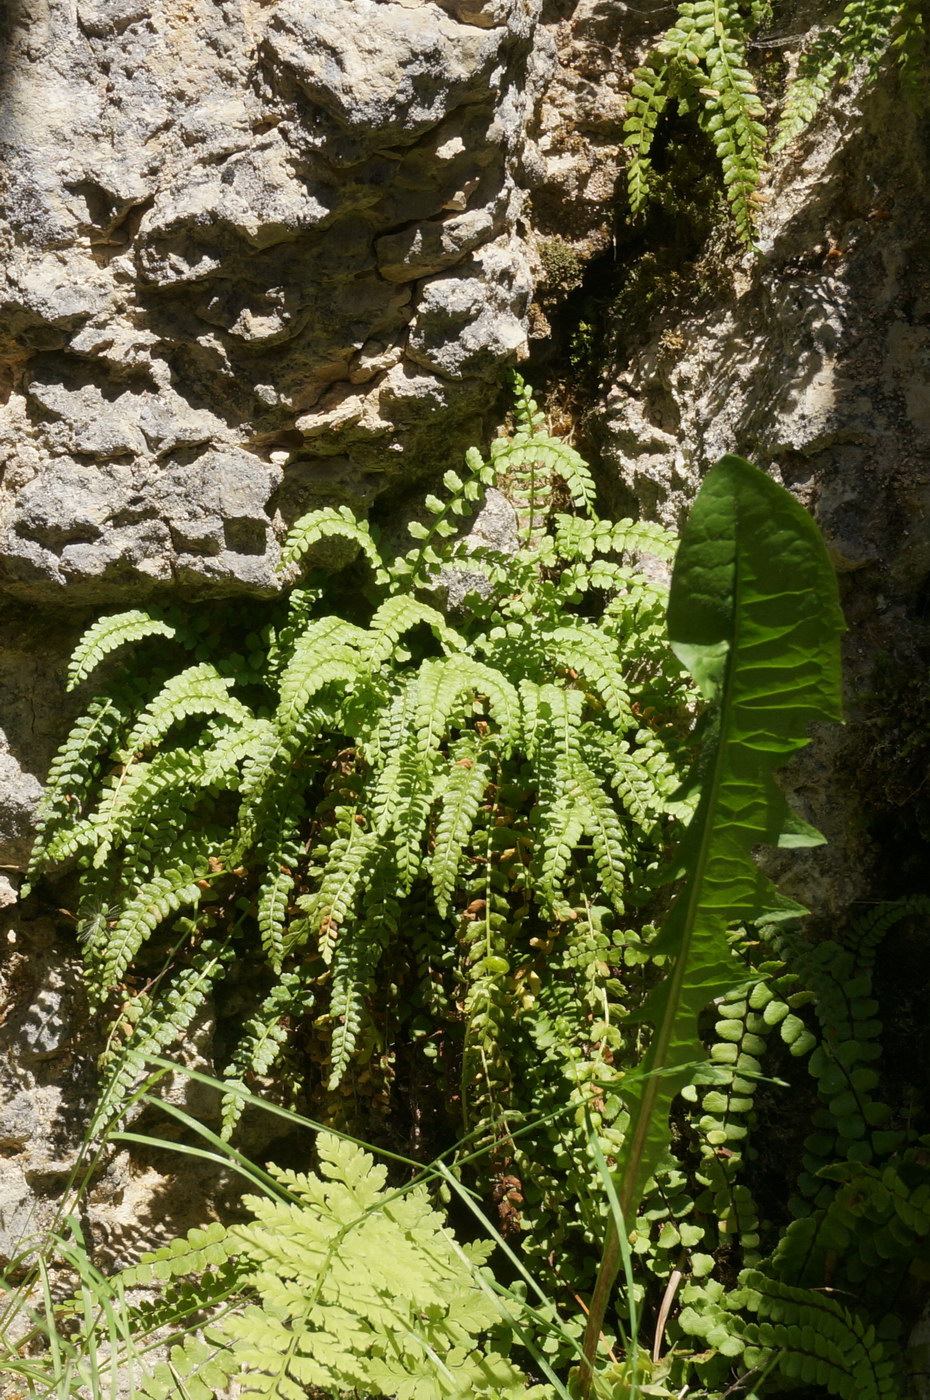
pixel 255 257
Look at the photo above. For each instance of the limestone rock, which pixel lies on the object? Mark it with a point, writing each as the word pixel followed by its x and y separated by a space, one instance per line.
pixel 212 222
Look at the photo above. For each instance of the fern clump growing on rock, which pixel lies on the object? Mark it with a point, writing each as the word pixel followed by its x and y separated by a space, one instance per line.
pixel 374 767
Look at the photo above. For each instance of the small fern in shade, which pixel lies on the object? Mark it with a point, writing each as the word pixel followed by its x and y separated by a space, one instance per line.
pixel 290 802
pixel 700 65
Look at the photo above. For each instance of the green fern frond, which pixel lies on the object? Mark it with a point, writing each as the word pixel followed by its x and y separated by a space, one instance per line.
pixel 595 657
pixel 610 841
pixel 202 1247
pixel 197 690
pixel 817 1340
pixel 400 614
pixel 263 1039
pixel 107 634
pixel 580 538
pixel 865 32
pixel 356 957
pixel 132 801
pixel 327 523
pixel 156 1028
pixel 700 62
pixel 462 787
pixel 347 866
pixel 280 854
pixel 167 892
pixel 328 653
pixel 71 775
pixel 197 1368
pixel 446 694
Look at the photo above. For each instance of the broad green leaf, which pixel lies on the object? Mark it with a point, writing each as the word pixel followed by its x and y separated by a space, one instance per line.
pixel 754 615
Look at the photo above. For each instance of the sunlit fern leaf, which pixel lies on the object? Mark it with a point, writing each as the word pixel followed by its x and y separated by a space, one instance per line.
pixel 700 63
pixel 207 1246
pixel 157 1029
pixel 341 881
pixel 71 775
pixel 327 523
pixel 595 657
pixel 446 695
pixel 130 798
pixel 329 652
pixel 196 1368
pixel 197 690
pixel 733 118
pixel 401 614
pixel 168 891
pixel 649 96
pixel 264 1036
pixel 609 838
pixel 107 634
pixel 280 854
pixel 864 33
pixel 356 957
pixel 414 782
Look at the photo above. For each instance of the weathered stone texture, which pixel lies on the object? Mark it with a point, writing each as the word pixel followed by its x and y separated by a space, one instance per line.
pixel 254 257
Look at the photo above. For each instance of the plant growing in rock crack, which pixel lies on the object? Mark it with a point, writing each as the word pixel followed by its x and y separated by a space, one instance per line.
pixel 357 778
pixel 701 66
pixel 584 1118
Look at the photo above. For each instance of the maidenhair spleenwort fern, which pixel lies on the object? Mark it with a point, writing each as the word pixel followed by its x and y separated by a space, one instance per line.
pixel 289 801
pixel 865 33
pixel 701 66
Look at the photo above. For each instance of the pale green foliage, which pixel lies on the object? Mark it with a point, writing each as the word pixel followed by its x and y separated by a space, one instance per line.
pixel 345 1286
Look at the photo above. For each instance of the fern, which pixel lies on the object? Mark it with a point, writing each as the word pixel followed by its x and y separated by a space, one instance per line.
pixel 360 1289
pixel 700 64
pixel 864 33
pixel 110 633
pixel 299 794
pixel 327 523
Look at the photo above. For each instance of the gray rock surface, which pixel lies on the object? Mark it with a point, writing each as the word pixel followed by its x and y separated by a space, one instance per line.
pixel 255 257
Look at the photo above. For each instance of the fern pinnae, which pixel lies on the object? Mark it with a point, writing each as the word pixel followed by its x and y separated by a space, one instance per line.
pixel 735 127
pixel 447 692
pixel 649 96
pixel 700 62
pixel 131 799
pixel 109 633
pixel 168 891
pixel 328 653
pixel 159 1027
pixel 262 1041
pixel 462 787
pixel 72 771
pixel 355 960
pixel 325 524
pixel 595 656
pixel 197 690
pixel 400 614
pixel 346 867
pixel 610 841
